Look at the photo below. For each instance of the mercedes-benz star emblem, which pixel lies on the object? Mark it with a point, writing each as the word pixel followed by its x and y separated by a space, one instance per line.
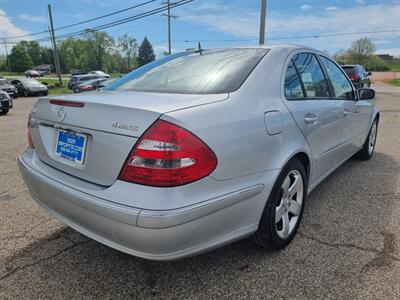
pixel 61 114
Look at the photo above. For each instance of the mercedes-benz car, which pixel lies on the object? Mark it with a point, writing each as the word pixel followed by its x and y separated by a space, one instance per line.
pixel 198 149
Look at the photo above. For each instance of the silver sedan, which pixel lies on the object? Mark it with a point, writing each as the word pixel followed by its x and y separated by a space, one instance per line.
pixel 198 149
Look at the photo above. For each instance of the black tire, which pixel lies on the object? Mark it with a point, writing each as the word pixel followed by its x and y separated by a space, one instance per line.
pixel 25 93
pixel 366 152
pixel 267 233
pixel 4 111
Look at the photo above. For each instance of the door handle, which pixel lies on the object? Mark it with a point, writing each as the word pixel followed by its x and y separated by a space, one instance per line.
pixel 310 118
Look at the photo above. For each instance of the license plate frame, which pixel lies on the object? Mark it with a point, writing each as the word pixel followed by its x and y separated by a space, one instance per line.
pixel 71 146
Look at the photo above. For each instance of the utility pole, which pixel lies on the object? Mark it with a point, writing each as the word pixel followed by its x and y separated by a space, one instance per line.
pixel 8 61
pixel 169 16
pixel 55 52
pixel 262 21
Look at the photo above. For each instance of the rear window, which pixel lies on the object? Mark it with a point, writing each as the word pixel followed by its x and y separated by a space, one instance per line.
pixel 209 72
pixel 349 70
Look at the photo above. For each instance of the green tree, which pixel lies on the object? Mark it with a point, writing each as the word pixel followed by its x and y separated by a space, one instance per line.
pixel 361 50
pixel 128 47
pixel 34 51
pixel 146 53
pixel 20 60
pixel 100 44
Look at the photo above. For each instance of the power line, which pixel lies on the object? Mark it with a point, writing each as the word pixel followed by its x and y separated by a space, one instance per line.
pixel 119 22
pixel 83 22
pixel 107 15
pixel 300 37
pixel 114 23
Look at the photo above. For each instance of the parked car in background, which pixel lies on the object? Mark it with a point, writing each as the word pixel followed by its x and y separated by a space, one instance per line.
pixel 100 73
pixel 78 72
pixel 198 149
pixel 9 88
pixel 5 103
pixel 29 87
pixel 77 79
pixel 32 73
pixel 90 85
pixel 358 76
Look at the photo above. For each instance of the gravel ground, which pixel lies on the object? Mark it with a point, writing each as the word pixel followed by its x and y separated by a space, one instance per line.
pixel 347 246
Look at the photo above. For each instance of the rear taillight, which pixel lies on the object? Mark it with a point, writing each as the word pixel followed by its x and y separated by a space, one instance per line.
pixel 168 155
pixel 29 133
pixel 354 77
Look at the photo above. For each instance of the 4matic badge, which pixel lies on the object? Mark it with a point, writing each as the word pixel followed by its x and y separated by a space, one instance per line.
pixel 120 125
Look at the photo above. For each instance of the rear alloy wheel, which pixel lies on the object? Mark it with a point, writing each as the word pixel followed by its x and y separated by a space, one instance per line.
pixel 284 208
pixel 367 150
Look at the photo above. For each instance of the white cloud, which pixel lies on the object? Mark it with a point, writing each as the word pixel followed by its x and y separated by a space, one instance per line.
pixel 331 8
pixel 360 1
pixel 8 28
pixel 306 7
pixel 30 18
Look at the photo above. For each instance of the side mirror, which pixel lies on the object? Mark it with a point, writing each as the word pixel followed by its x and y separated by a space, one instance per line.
pixel 366 94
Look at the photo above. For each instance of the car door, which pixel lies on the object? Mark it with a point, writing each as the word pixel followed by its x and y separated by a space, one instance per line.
pixel 309 99
pixel 356 113
pixel 18 85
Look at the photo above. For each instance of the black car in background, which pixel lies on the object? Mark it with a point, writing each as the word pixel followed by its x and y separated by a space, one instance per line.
pixel 5 103
pixel 7 87
pixel 29 87
pixel 358 76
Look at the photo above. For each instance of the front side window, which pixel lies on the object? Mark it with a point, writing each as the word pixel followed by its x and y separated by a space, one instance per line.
pixel 208 72
pixel 293 89
pixel 341 86
pixel 312 76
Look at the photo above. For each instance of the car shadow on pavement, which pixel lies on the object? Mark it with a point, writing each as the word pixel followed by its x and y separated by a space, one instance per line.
pixel 349 213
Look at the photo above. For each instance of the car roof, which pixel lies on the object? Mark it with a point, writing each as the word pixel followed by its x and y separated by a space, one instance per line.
pixel 349 66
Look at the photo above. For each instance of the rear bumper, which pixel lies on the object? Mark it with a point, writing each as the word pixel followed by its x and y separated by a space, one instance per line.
pixel 150 234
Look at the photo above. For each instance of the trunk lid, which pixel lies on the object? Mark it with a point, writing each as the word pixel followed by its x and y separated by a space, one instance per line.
pixel 110 122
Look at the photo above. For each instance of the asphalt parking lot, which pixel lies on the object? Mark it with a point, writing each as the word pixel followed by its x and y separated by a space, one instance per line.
pixel 348 245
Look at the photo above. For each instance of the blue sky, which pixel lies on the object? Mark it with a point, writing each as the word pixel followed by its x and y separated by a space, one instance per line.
pixel 219 23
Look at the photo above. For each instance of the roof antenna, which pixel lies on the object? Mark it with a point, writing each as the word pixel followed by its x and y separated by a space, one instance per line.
pixel 200 50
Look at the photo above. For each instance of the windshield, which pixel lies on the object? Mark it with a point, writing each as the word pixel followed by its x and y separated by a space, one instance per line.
pixel 209 72
pixel 3 82
pixel 29 81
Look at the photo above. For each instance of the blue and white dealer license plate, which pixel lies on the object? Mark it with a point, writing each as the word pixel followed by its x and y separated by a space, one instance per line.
pixel 71 145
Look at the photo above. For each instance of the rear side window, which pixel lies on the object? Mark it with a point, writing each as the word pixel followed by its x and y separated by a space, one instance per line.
pixel 311 75
pixel 208 72
pixel 293 88
pixel 341 86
